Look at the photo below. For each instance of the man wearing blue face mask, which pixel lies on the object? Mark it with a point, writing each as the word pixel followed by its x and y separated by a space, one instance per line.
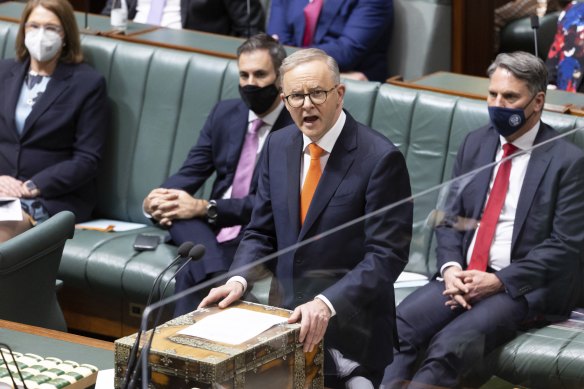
pixel 510 244
pixel 229 146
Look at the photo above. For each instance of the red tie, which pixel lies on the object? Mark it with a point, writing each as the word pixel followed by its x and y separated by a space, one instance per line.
pixel 486 232
pixel 311 13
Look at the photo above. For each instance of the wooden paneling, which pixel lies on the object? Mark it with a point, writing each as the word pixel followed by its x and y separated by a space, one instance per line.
pixel 472 35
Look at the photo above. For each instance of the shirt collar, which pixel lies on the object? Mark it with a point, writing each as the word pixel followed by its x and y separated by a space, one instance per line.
pixel 328 140
pixel 269 119
pixel 525 141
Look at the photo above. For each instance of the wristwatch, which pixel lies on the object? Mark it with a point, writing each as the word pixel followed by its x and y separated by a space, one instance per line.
pixel 212 212
pixel 30 185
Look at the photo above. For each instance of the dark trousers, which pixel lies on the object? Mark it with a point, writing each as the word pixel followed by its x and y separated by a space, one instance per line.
pixel 217 260
pixel 452 341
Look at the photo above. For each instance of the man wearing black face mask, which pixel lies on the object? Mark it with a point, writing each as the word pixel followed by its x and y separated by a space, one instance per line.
pixel 229 145
pixel 520 265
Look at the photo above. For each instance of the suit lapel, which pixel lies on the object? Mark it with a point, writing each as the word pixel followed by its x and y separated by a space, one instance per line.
pixel 328 14
pixel 11 91
pixel 480 184
pixel 282 121
pixel 58 84
pixel 338 164
pixel 293 160
pixel 536 168
pixel 236 136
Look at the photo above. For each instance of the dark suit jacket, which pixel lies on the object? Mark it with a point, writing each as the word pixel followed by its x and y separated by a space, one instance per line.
pixel 217 151
pixel 227 17
pixel 356 33
pixel 354 268
pixel 548 234
pixel 63 137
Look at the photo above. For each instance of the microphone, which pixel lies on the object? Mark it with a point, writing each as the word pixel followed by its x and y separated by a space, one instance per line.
pixel 194 254
pixel 534 27
pixel 182 252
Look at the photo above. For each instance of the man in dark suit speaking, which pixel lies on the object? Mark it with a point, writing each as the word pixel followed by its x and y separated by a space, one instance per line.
pixel 323 172
pixel 229 146
pixel 521 263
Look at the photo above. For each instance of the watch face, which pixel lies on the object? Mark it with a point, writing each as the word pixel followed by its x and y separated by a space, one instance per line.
pixel 212 211
pixel 30 185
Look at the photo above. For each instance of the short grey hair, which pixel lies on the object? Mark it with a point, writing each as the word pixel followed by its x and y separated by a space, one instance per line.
pixel 308 55
pixel 525 67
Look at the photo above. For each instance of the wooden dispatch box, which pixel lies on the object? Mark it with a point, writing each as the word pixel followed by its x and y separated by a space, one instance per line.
pixel 274 359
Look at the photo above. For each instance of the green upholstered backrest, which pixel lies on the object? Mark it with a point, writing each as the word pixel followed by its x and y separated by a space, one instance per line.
pixel 160 100
pixel 28 270
pixel 7 38
pixel 428 128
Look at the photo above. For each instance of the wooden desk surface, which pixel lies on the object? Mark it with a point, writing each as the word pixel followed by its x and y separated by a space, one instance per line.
pixel 475 87
pixel 46 343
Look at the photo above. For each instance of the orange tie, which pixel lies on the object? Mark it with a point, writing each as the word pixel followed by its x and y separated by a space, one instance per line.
pixel 311 180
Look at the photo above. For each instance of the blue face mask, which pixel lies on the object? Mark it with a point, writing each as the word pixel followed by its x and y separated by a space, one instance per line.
pixel 508 120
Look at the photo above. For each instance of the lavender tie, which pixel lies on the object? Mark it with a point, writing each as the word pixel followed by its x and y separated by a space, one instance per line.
pixel 156 9
pixel 243 174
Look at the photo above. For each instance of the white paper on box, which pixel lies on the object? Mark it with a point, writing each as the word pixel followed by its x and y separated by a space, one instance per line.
pixel 233 326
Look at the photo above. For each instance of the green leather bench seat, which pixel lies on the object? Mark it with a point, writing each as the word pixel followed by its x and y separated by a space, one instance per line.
pixel 160 99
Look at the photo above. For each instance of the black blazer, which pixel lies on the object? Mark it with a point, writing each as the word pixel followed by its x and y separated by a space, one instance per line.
pixel 227 17
pixel 217 151
pixel 548 233
pixel 354 268
pixel 63 137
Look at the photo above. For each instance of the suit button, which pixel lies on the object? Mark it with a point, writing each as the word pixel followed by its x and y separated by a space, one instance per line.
pixel 298 261
pixel 299 296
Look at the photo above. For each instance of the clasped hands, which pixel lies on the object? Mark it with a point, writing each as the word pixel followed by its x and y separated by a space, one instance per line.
pixel 166 205
pixel 313 315
pixel 10 186
pixel 468 286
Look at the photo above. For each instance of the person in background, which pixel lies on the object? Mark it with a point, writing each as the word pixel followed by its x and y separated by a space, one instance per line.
pixel 317 175
pixel 229 145
pixel 565 61
pixel 517 9
pixel 509 250
pixel 356 33
pixel 53 119
pixel 226 17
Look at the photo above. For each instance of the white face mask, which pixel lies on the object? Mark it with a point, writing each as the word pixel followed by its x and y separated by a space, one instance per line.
pixel 43 45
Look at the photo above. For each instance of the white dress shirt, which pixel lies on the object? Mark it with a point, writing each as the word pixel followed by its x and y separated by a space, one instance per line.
pixel 500 251
pixel 327 142
pixel 170 15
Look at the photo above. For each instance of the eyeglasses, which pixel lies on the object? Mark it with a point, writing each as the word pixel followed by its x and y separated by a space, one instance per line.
pixel 296 100
pixel 32 26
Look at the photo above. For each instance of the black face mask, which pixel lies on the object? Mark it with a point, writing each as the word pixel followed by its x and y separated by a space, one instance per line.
pixel 259 99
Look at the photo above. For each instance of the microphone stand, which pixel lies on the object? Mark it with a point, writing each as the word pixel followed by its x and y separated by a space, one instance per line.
pixel 195 253
pixel 534 27
pixel 248 19
pixel 182 251
pixel 86 30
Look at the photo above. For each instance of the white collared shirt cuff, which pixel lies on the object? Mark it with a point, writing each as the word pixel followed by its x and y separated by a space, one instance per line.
pixel 239 279
pixel 328 304
pixel 448 264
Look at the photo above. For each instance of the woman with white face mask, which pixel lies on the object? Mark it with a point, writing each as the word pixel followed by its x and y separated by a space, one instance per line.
pixel 53 120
